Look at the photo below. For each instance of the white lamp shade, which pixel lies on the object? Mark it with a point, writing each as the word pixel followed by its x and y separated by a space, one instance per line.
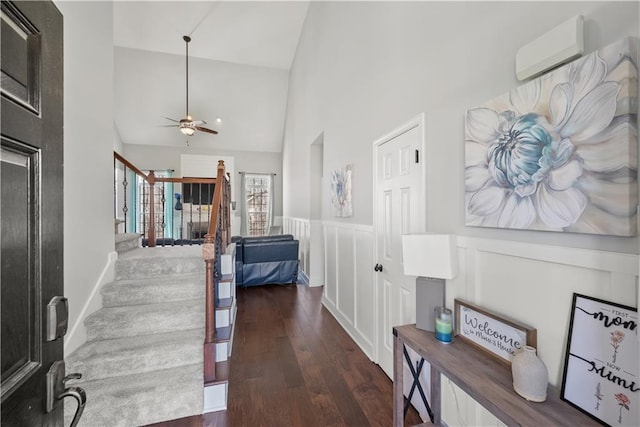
pixel 430 255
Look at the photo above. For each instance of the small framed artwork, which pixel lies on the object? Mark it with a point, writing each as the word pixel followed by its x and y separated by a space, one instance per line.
pixel 601 364
pixel 501 337
pixel 341 191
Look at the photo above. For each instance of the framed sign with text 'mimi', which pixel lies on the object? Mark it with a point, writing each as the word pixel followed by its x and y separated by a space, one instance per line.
pixel 601 373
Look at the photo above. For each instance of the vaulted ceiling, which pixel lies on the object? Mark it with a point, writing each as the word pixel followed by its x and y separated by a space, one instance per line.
pixel 239 60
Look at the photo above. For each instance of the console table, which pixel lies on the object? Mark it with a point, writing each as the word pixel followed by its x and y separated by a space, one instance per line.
pixel 481 376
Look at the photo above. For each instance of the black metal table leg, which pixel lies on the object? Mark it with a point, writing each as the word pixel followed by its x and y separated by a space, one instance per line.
pixel 416 383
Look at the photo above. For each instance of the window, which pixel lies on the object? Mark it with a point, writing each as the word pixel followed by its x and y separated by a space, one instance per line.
pixel 257 193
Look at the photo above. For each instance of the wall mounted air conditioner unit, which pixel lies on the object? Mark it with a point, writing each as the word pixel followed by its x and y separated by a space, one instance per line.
pixel 557 46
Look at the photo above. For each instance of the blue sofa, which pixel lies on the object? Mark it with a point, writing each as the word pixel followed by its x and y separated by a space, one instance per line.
pixel 262 260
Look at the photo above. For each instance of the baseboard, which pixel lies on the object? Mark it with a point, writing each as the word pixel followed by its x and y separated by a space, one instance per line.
pixel 303 278
pixel 365 345
pixel 77 334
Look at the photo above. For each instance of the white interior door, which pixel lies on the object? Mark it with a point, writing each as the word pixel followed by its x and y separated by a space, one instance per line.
pixel 399 199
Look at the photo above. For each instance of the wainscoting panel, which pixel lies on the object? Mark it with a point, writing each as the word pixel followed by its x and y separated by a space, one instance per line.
pixel 364 321
pixel 331 257
pixel 533 284
pixel 346 275
pixel 349 289
pixel 300 228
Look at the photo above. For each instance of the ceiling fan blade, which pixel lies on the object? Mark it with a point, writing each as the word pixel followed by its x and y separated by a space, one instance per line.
pixel 199 122
pixel 168 126
pixel 200 128
pixel 173 120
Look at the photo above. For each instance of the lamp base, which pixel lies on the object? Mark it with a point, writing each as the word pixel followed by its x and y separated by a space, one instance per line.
pixel 429 295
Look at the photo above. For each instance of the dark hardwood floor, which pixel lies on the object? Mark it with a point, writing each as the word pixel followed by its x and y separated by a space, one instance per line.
pixel 293 365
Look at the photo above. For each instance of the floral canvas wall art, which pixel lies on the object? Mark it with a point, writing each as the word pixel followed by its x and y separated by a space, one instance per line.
pixel 341 192
pixel 560 152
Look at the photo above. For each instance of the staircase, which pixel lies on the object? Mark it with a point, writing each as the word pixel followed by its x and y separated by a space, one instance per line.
pixel 143 359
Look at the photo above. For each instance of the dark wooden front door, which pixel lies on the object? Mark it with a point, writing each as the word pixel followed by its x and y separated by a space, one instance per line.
pixel 31 200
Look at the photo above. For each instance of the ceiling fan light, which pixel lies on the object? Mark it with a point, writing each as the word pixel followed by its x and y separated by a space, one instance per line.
pixel 187 130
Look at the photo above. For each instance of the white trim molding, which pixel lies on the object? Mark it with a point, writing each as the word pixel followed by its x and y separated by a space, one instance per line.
pixel 78 332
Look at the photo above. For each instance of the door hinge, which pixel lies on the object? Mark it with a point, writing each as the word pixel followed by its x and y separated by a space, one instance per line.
pixel 417 156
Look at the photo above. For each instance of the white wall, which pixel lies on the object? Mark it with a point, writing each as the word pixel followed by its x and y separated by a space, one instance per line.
pixel 362 69
pixel 88 158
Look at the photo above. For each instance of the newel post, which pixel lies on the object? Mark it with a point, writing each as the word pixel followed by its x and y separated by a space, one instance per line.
pixel 209 254
pixel 151 179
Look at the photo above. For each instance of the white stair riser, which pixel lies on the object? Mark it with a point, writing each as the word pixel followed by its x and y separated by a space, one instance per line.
pixel 224 290
pixel 222 351
pixel 222 318
pixel 215 397
pixel 226 264
pixel 225 317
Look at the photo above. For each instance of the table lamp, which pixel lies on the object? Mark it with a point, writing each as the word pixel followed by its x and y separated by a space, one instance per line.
pixel 433 258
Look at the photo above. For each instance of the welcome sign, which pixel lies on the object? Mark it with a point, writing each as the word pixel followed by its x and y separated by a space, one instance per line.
pixel 601 364
pixel 497 335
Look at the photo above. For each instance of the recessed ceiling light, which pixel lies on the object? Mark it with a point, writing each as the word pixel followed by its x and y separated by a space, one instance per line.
pixel 218 120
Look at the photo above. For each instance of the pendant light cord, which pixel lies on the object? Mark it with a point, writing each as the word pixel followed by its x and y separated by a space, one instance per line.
pixel 187 39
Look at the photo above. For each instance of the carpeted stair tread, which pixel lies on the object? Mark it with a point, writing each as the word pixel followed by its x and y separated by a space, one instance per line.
pixel 159 261
pixel 153 290
pixel 141 399
pixel 116 322
pixel 130 355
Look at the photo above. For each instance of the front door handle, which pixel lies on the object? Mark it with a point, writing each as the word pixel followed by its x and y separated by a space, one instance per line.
pixel 80 396
pixel 57 390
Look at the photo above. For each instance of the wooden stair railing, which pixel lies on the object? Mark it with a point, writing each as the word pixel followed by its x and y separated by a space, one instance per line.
pixel 215 242
pixel 151 179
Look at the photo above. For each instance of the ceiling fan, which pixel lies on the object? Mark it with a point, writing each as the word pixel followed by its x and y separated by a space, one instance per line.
pixel 188 126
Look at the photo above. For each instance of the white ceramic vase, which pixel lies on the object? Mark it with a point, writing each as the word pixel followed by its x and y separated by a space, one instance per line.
pixel 530 376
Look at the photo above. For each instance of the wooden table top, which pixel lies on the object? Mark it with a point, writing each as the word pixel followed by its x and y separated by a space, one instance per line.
pixel 489 382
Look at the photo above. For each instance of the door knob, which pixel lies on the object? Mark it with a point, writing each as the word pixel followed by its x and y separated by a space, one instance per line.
pixel 378 267
pixel 57 390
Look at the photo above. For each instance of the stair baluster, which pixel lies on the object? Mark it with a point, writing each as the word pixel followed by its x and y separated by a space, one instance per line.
pixel 151 179
pixel 125 209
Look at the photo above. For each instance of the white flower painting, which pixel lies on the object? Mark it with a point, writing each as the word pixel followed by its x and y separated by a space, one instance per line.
pixel 560 152
pixel 341 192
